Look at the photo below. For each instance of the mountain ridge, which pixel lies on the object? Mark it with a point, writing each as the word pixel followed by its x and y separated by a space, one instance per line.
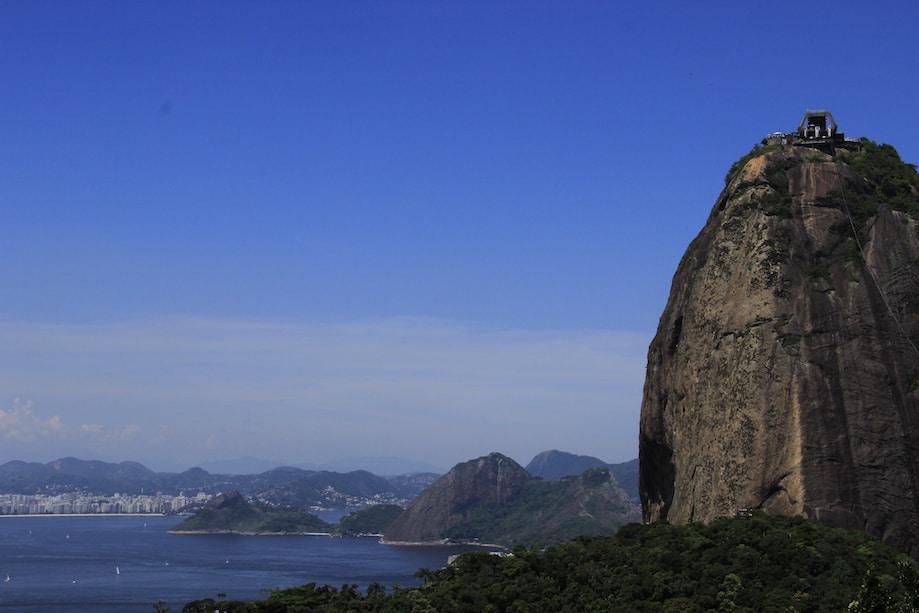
pixel 494 500
pixel 280 486
pixel 554 464
pixel 287 486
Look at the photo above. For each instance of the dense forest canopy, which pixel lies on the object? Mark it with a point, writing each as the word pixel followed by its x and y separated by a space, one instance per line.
pixel 753 563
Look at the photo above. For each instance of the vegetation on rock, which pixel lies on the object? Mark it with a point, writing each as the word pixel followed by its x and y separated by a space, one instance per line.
pixel 738 166
pixel 879 176
pixel 889 179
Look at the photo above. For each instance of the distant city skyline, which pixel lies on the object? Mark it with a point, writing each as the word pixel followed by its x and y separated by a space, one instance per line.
pixel 77 503
pixel 305 232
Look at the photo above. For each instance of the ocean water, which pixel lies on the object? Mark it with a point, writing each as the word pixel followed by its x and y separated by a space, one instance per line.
pixel 127 563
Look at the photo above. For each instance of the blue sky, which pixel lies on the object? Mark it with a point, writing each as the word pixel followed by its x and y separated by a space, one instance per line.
pixel 305 231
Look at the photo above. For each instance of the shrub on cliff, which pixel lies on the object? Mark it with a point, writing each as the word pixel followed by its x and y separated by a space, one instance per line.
pixel 890 179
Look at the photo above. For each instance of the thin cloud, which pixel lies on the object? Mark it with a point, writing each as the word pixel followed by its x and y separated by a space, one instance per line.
pixel 333 388
pixel 20 423
pixel 101 434
pixel 91 429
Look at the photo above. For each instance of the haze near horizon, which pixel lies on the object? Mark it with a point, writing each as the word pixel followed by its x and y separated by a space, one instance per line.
pixel 313 231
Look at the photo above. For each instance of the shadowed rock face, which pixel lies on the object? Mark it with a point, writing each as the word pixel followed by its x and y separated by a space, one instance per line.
pixel 443 505
pixel 784 374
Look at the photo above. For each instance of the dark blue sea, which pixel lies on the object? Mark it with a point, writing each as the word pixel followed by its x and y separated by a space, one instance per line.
pixel 127 563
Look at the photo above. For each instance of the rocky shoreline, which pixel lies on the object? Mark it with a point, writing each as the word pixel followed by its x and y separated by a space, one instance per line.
pixel 245 533
pixel 442 543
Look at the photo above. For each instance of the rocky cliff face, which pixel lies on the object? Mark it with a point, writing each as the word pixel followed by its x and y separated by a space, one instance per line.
pixel 784 374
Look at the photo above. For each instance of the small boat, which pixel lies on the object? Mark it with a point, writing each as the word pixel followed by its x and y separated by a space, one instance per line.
pixel 117 571
pixel 7 580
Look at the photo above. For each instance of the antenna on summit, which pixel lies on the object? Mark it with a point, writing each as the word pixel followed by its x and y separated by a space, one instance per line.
pixel 817 130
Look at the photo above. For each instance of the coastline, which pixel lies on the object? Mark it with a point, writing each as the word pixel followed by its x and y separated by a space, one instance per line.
pixel 240 533
pixel 86 515
pixel 443 543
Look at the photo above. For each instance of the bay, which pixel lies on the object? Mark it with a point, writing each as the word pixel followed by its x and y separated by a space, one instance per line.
pixel 127 563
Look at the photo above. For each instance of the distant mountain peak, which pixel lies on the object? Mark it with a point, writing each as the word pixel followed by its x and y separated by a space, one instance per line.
pixel 554 464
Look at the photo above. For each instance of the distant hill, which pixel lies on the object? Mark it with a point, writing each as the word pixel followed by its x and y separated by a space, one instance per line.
pixel 240 466
pixel 495 500
pixel 554 465
pixel 231 513
pixel 312 485
pixel 284 486
pixel 69 474
pixel 385 466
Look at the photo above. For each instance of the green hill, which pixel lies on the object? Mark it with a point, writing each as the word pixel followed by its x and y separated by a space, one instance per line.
pixel 554 464
pixel 372 520
pixel 230 512
pixel 751 564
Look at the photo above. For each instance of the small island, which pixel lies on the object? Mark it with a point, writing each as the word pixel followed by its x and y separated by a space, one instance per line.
pixel 230 513
pixel 372 521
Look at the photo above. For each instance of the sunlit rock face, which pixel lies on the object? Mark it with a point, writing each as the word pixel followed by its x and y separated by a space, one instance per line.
pixel 784 374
